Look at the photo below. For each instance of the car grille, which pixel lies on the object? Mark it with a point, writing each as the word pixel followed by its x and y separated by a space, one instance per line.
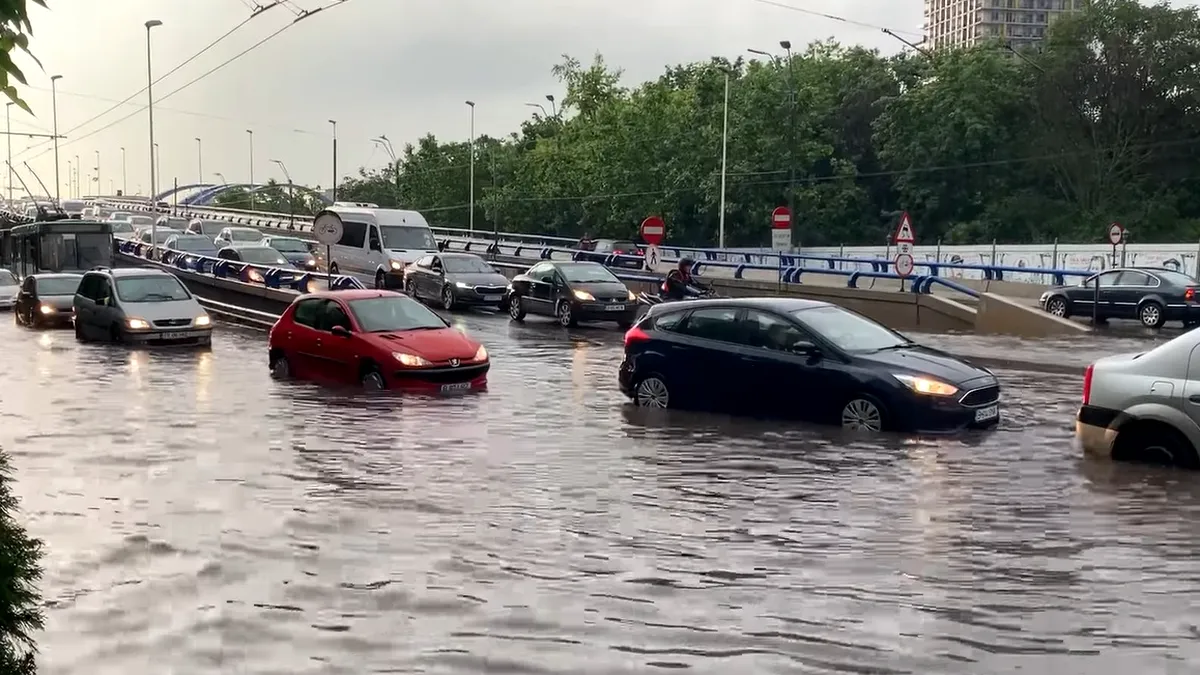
pixel 444 375
pixel 982 396
pixel 491 290
pixel 172 323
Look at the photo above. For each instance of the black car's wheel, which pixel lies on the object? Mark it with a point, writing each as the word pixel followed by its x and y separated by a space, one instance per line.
pixel 380 280
pixel 516 310
pixel 1151 314
pixel 1058 307
pixel 410 288
pixel 863 413
pixel 281 368
pixel 115 334
pixel 448 299
pixel 1154 443
pixel 652 392
pixel 565 314
pixel 79 331
pixel 372 379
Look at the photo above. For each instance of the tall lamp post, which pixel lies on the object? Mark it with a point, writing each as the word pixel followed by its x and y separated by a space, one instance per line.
pixel 471 198
pixel 335 176
pixel 152 23
pixel 222 177
pixel 553 106
pixel 124 174
pixel 70 179
pixel 724 163
pixel 291 194
pixel 250 133
pixel 54 106
pixel 98 188
pixel 199 161
pixel 791 154
pixel 78 183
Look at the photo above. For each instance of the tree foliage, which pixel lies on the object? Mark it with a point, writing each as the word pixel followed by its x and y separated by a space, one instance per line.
pixel 20 602
pixel 1101 123
pixel 15 31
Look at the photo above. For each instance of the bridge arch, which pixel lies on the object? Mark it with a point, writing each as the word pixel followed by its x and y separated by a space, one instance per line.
pixel 206 196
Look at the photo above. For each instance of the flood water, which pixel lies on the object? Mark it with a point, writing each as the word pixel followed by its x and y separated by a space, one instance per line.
pixel 202 518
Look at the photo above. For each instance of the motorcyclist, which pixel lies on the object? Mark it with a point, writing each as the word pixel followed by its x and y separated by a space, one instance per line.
pixel 680 284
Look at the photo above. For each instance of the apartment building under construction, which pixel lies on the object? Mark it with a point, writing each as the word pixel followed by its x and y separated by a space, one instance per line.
pixel 962 23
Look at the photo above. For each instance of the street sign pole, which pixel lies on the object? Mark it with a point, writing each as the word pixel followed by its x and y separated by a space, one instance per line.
pixel 653 231
pixel 906 235
pixel 1116 234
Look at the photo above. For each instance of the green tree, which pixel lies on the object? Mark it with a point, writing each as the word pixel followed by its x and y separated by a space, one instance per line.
pixel 15 31
pixel 20 570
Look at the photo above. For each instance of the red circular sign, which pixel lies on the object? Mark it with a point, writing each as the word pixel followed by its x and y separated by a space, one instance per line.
pixel 653 230
pixel 781 218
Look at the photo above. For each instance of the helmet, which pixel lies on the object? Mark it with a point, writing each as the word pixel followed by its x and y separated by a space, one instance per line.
pixel 685 264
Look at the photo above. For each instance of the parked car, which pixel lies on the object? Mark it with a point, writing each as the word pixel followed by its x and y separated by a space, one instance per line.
pixel 237 236
pixel 1144 407
pixel 296 251
pixel 454 279
pixel 801 359
pixel 375 338
pixel 138 306
pixel 571 292
pixel 255 255
pixel 9 287
pixel 614 253
pixel 46 300
pixel 196 244
pixel 1152 296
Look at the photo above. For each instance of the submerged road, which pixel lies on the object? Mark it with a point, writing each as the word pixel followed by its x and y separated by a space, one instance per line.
pixel 200 517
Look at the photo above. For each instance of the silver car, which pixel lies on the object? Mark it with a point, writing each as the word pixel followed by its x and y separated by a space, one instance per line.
pixel 9 287
pixel 1144 407
pixel 138 306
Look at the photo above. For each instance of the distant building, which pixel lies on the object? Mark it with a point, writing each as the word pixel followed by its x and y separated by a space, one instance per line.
pixel 1018 23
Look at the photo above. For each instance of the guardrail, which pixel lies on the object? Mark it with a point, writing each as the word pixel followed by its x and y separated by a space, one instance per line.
pixel 241 315
pixel 544 247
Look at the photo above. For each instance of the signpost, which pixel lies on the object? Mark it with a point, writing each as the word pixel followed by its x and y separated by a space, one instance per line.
pixel 327 228
pixel 1116 234
pixel 905 236
pixel 781 229
pixel 653 231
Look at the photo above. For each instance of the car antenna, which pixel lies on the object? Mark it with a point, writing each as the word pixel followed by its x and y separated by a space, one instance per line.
pixel 57 206
pixel 41 209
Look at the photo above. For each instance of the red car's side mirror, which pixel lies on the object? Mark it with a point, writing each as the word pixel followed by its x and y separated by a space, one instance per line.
pixel 340 331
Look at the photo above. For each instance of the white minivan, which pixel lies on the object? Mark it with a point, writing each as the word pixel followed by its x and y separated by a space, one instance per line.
pixel 378 243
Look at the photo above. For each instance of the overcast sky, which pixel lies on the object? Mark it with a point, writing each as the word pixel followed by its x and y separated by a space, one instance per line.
pixel 398 67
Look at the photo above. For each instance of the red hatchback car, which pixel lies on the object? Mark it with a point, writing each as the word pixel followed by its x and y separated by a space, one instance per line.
pixel 379 339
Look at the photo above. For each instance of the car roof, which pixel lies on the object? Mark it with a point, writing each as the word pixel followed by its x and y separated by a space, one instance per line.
pixel 239 227
pixel 456 254
pixel 132 272
pixel 56 275
pixel 356 294
pixel 781 305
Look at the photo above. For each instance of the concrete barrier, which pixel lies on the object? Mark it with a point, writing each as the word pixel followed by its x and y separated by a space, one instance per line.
pixel 1000 315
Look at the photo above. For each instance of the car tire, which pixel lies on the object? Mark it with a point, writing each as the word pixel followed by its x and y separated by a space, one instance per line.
pixel 448 299
pixel 624 324
pixel 380 280
pixel 410 288
pixel 281 367
pixel 565 314
pixel 652 391
pixel 372 379
pixel 1155 443
pixel 516 310
pixel 116 335
pixel 863 413
pixel 1151 315
pixel 79 336
pixel 1057 306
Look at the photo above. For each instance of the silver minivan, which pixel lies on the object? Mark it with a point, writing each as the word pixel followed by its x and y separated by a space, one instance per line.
pixel 1144 407
pixel 138 306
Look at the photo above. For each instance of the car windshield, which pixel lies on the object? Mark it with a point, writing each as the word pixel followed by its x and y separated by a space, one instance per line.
pixel 120 215
pixel 245 235
pixel 157 288
pixel 405 237
pixel 1176 278
pixel 121 226
pixel 141 221
pixel 849 331
pixel 7 278
pixel 196 244
pixel 467 265
pixel 389 313
pixel 289 245
pixel 173 223
pixel 161 234
pixel 57 285
pixel 262 256
pixel 587 274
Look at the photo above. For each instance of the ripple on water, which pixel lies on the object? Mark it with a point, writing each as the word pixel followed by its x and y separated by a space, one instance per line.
pixel 202 517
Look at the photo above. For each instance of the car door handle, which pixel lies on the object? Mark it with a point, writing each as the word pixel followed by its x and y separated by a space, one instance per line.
pixel 1194 398
pixel 318 343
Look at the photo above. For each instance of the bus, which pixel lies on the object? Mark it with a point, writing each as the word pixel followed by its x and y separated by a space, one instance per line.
pixel 58 246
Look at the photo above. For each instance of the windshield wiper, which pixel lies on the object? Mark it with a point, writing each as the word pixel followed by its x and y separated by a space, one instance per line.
pixel 902 345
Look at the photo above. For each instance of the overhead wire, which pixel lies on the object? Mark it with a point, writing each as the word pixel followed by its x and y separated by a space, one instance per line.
pixel 833 17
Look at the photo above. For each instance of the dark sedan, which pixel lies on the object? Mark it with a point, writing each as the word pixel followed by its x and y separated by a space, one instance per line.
pixel 295 250
pixel 255 255
pixel 571 292
pixel 614 253
pixel 801 359
pixel 1152 296
pixel 454 279
pixel 46 300
pixel 196 244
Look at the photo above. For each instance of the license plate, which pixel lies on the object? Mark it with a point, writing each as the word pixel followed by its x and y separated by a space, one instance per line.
pixel 492 298
pixel 615 308
pixel 457 386
pixel 990 412
pixel 175 336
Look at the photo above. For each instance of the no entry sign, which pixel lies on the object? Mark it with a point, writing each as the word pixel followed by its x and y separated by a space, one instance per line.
pixel 653 230
pixel 781 228
pixel 1116 232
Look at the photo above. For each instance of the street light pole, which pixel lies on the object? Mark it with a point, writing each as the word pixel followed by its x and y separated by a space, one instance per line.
pixel 724 164
pixel 150 109
pixel 78 186
pixel 791 200
pixel 471 198
pixel 124 174
pixel 98 188
pixel 250 132
pixel 550 97
pixel 54 105
pixel 335 175
pixel 199 161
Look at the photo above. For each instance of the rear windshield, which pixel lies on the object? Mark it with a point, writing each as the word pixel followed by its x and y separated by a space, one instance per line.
pixel 161 234
pixel 262 256
pixel 194 244
pixel 157 288
pixel 289 245
pixel 467 265
pixel 1177 278
pixel 245 235
pixel 57 286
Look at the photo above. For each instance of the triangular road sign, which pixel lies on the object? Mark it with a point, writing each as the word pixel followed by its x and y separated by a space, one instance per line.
pixel 904 233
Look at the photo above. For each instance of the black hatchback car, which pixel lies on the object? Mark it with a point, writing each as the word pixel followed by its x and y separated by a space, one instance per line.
pixel 1152 296
pixel 571 292
pixel 47 300
pixel 801 359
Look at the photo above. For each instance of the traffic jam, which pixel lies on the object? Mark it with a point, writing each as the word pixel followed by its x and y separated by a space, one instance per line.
pixel 783 357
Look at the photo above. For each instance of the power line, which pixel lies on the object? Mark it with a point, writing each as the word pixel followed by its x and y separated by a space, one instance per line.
pixel 833 17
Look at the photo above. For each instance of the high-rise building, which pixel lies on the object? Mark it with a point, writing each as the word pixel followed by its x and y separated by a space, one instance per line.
pixel 962 23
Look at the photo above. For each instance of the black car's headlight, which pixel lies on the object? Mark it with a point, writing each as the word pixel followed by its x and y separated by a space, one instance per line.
pixel 926 385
